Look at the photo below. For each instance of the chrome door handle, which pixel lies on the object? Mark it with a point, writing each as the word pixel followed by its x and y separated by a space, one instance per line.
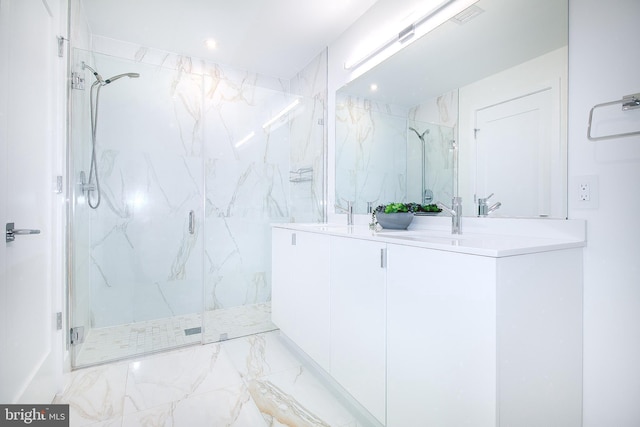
pixel 12 233
pixel 192 222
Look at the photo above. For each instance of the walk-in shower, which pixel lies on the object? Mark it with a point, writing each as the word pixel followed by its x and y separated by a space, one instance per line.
pixel 194 161
pixel 92 185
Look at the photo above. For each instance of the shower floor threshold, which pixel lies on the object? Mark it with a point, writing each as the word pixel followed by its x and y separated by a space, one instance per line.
pixel 151 336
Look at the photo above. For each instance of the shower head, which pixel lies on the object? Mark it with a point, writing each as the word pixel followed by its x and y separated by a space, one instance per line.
pixel 421 136
pixel 119 76
pixel 95 73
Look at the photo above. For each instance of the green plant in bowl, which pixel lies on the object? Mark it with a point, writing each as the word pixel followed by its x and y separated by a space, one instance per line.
pixel 384 214
pixel 429 208
pixel 393 208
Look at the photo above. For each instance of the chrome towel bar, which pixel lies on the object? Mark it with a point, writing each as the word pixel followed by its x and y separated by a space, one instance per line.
pixel 629 102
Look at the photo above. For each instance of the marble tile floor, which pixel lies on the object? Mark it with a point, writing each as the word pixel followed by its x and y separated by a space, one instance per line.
pixel 123 341
pixel 252 381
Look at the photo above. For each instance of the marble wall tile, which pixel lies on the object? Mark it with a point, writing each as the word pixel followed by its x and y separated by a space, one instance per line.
pixel 172 60
pixel 438 170
pixel 311 81
pixel 175 140
pixel 379 159
pixel 308 134
pixel 371 152
pixel 440 117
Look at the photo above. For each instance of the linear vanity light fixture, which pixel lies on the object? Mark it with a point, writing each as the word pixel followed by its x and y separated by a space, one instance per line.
pixel 278 116
pixel 435 17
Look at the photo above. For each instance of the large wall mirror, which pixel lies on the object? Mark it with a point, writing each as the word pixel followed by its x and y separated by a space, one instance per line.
pixel 476 107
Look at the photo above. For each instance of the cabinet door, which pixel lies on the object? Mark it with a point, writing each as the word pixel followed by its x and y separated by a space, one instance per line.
pixel 358 321
pixel 300 290
pixel 441 340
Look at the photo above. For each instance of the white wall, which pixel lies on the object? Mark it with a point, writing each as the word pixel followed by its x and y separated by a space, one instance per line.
pixel 603 66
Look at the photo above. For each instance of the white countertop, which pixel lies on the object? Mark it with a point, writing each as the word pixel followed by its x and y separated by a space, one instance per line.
pixel 473 243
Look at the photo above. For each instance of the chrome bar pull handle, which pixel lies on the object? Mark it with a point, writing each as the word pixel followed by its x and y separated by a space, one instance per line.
pixel 192 222
pixel 11 232
pixel 383 258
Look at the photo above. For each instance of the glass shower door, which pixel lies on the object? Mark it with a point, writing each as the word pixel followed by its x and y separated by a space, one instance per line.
pixel 264 164
pixel 137 269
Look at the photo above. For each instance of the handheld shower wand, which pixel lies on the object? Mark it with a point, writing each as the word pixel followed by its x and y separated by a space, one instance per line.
pixel 94 103
pixel 119 76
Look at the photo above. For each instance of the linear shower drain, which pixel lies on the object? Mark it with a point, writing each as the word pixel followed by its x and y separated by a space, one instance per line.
pixel 193 331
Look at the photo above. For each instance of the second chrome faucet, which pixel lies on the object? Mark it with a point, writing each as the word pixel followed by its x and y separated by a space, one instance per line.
pixel 484 209
pixel 456 213
pixel 348 210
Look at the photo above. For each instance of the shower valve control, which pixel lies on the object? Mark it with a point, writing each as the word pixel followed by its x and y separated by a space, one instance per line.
pixel 77 80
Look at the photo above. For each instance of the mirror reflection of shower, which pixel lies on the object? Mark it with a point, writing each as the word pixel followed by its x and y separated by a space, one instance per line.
pixel 93 183
pixel 427 194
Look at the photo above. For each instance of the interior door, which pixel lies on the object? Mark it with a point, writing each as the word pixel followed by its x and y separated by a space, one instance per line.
pixel 513 146
pixel 27 92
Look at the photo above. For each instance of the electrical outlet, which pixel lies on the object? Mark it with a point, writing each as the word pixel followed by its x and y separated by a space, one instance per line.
pixel 584 191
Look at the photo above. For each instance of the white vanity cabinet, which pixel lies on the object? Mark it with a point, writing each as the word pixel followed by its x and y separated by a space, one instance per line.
pixel 425 328
pixel 358 282
pixel 483 341
pixel 301 292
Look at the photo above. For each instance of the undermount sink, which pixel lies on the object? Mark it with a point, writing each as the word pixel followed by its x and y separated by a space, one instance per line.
pixel 435 237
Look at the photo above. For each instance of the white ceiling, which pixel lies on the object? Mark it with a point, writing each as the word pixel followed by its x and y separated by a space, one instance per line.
pixel 272 37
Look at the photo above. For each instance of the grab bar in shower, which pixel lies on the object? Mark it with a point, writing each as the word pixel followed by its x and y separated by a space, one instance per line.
pixel 629 102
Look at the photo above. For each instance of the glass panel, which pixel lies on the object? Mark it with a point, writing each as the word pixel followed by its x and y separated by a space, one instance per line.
pixel 264 157
pixel 137 280
pixel 170 142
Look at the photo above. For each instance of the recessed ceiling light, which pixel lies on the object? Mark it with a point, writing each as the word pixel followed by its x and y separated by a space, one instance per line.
pixel 373 87
pixel 210 44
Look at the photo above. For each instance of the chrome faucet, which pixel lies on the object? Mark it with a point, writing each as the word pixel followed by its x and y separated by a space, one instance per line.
pixel 456 213
pixel 484 209
pixel 348 210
